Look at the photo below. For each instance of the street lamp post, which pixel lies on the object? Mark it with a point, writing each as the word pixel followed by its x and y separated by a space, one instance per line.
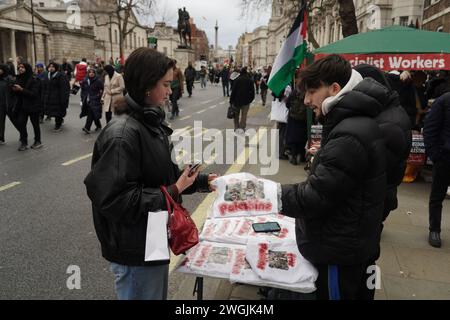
pixel 34 34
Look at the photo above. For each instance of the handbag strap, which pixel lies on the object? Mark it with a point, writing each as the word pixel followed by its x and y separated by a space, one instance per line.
pixel 169 201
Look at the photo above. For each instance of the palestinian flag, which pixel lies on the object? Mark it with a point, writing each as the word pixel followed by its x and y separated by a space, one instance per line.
pixel 291 55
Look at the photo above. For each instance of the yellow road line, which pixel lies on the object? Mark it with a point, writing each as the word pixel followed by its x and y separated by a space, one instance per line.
pixel 214 106
pixel 68 163
pixel 185 118
pixel 199 215
pixel 201 111
pixel 9 186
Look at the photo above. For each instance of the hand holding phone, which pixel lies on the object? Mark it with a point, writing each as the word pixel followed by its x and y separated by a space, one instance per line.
pixel 193 168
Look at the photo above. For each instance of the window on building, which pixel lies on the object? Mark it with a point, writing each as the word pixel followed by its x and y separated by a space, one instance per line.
pixel 404 21
pixel 131 41
pixel 440 29
pixel 135 41
pixel 115 36
pixel 427 3
pixel 41 4
pixel 393 21
pixel 165 50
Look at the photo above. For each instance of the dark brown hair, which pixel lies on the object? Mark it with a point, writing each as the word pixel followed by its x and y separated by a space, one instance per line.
pixel 326 71
pixel 143 69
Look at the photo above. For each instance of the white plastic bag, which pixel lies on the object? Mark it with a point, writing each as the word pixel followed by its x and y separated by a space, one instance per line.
pixel 156 242
pixel 279 112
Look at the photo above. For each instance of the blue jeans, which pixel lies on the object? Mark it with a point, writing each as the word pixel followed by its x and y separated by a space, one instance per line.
pixel 141 283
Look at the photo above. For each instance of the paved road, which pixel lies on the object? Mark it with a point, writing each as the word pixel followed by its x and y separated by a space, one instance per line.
pixel 45 216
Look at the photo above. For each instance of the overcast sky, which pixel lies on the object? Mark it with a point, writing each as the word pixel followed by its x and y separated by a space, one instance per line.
pixel 206 12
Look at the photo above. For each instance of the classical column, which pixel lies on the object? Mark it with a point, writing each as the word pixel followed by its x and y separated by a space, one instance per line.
pixel 46 49
pixel 13 54
pixel 4 40
pixel 327 29
pixel 336 29
pixel 30 49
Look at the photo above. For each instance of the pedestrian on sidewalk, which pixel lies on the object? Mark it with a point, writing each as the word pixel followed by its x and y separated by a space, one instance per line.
pixel 257 78
pixel 81 70
pixel 436 135
pixel 131 161
pixel 113 90
pixel 91 105
pixel 297 127
pixel 26 97
pixel 177 90
pixel 67 69
pixel 225 77
pixel 203 76
pixel 55 95
pixel 339 208
pixel 242 96
pixel 264 87
pixel 189 75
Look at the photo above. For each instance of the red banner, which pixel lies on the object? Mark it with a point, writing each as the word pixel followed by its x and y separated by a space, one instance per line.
pixel 388 61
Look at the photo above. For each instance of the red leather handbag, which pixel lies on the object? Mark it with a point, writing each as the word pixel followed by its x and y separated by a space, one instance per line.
pixel 183 233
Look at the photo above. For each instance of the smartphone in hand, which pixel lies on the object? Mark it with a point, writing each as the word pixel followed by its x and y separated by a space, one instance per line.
pixel 193 168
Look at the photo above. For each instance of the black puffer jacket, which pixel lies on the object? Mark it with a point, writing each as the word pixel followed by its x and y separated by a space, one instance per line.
pixel 436 131
pixel 131 160
pixel 395 126
pixel 339 208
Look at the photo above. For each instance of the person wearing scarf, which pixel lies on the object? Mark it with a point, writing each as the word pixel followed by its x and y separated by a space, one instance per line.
pixel 27 105
pixel 91 106
pixel 56 92
pixel 114 87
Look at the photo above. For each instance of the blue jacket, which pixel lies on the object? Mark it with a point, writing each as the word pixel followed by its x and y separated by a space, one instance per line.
pixel 436 131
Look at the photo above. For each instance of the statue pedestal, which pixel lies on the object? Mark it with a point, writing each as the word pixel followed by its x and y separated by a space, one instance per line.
pixel 183 56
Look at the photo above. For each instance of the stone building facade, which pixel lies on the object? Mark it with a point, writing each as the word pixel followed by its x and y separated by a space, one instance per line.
pixel 436 15
pixel 167 36
pixel 54 40
pixel 65 30
pixel 259 47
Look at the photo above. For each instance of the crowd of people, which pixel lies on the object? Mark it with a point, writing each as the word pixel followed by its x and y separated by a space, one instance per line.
pixel 42 93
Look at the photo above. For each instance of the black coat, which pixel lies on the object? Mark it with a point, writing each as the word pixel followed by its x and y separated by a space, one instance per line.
pixel 55 95
pixel 395 127
pixel 91 96
pixel 189 74
pixel 436 132
pixel 5 93
pixel 243 91
pixel 339 208
pixel 131 160
pixel 29 100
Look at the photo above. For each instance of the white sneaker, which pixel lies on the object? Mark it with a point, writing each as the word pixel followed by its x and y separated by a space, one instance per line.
pixel 240 132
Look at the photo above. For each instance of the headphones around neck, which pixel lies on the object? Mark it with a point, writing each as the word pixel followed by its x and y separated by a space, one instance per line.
pixel 152 115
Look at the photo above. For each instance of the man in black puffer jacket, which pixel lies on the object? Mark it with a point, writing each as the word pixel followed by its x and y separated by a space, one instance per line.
pixel 395 125
pixel 339 208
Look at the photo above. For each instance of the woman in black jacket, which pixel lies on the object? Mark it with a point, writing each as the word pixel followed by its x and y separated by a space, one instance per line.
pixel 26 97
pixel 131 161
pixel 56 91
pixel 91 96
